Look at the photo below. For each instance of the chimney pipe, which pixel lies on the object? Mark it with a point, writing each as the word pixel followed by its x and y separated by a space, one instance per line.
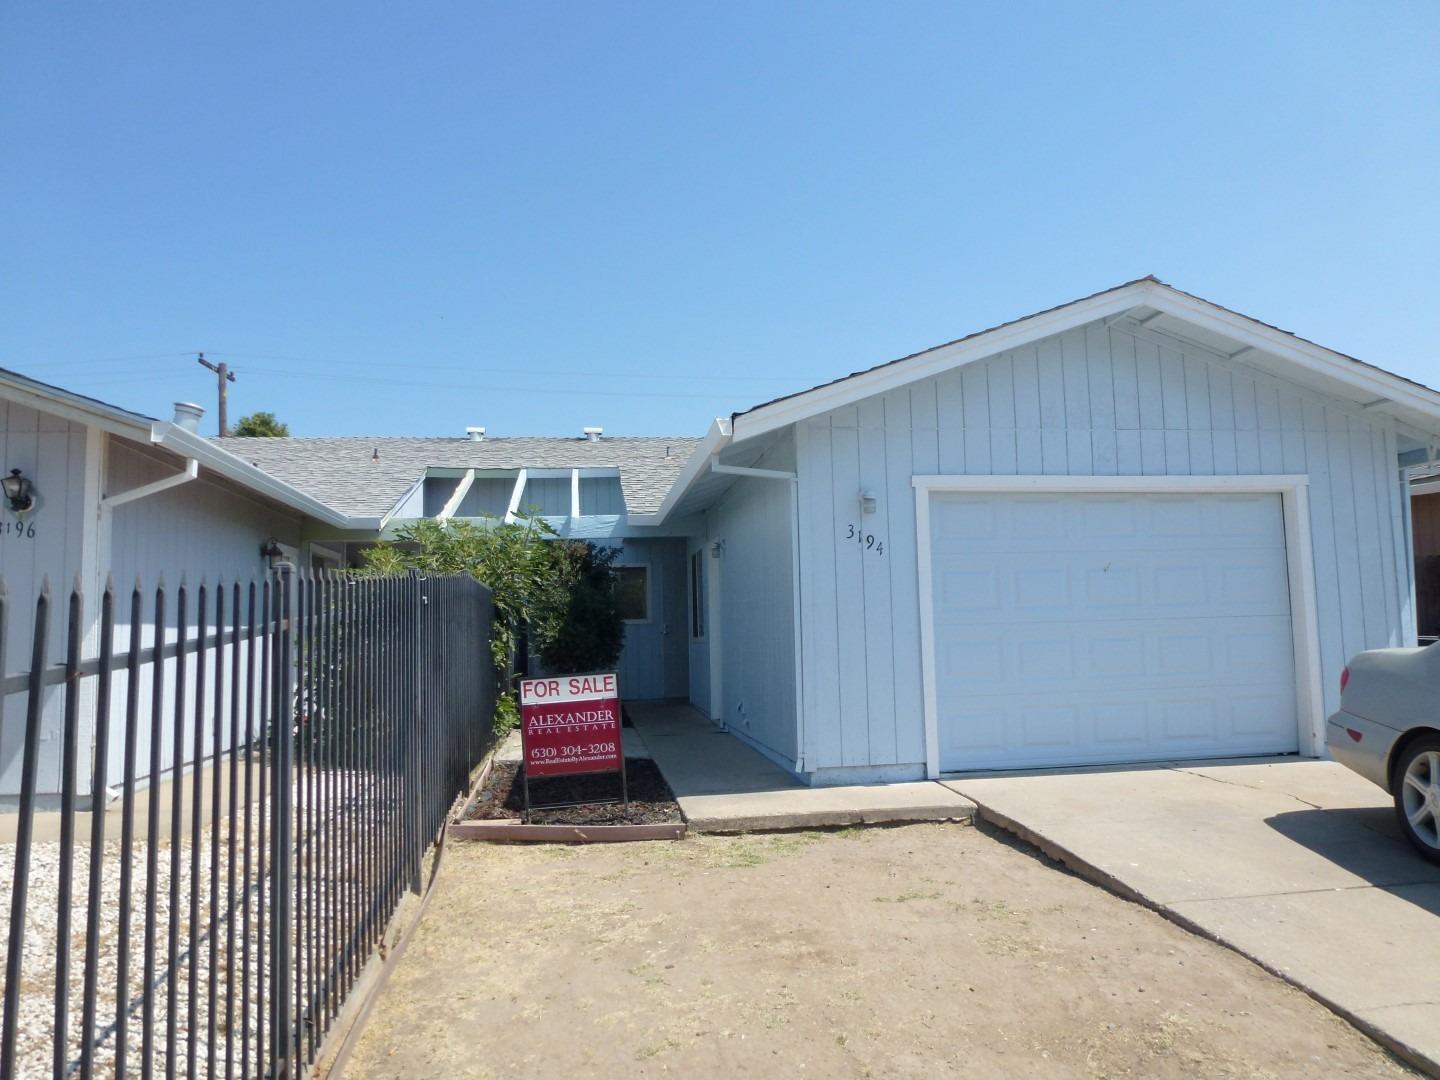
pixel 187 415
pixel 477 434
pixel 593 433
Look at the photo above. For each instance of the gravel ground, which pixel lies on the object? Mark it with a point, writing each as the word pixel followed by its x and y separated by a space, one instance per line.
pixel 37 1024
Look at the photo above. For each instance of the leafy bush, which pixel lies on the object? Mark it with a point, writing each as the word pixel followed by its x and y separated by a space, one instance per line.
pixel 558 593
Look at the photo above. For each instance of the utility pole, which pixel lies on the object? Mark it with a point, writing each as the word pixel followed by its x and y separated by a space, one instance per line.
pixel 224 374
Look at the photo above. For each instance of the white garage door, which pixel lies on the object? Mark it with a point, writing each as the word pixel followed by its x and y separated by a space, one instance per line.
pixel 1092 628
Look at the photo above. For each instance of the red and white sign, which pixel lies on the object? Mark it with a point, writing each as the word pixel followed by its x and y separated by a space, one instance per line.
pixel 570 724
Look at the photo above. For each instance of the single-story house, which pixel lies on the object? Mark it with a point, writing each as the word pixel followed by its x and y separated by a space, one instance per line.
pixel 1138 526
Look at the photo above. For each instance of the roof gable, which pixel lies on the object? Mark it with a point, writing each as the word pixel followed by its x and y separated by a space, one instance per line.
pixel 1211 326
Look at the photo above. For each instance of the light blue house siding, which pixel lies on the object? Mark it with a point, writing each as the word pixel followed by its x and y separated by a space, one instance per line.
pixel 756 615
pixel 1093 401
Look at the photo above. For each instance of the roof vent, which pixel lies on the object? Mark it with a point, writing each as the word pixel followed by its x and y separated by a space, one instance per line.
pixel 477 434
pixel 593 433
pixel 187 415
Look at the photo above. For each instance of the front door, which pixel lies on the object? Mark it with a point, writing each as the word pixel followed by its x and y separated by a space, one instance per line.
pixel 655 660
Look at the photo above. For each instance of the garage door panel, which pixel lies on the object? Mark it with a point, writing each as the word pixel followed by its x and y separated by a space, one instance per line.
pixel 1095 522
pixel 1084 628
pixel 1163 654
pixel 1071 585
pixel 1046 730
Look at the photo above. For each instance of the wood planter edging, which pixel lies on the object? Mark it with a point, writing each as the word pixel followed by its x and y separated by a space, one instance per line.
pixel 511 829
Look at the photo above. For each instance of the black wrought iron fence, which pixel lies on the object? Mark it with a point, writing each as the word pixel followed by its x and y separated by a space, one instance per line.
pixel 219 796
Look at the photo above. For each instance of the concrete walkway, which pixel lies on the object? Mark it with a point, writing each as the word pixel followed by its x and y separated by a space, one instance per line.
pixel 1297 864
pixel 722 785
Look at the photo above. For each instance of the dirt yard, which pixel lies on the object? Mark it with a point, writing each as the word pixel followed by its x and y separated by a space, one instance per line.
pixel 879 952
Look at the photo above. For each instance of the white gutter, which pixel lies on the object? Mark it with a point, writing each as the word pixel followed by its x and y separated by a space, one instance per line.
pixel 223 463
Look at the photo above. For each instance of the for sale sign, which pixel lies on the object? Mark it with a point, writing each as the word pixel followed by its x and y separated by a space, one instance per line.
pixel 570 724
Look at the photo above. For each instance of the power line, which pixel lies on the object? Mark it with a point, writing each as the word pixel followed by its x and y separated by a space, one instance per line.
pixel 467 368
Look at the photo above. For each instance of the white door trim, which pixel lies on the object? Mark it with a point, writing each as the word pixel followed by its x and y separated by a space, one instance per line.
pixel 1299 558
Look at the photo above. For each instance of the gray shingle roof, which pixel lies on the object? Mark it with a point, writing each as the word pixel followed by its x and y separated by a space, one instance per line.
pixel 342 472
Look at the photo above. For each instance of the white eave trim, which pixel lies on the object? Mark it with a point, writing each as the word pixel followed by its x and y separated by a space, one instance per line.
pixel 697 465
pixel 223 463
pixel 1369 382
pixel 932 362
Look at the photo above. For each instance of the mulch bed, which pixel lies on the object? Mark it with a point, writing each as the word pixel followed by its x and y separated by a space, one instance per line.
pixel 651 800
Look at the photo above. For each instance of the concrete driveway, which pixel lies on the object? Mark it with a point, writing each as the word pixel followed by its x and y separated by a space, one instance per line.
pixel 1295 863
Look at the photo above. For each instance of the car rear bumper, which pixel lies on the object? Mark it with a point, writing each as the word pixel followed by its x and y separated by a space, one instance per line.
pixel 1370 754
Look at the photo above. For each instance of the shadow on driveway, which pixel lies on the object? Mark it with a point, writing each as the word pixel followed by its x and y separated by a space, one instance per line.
pixel 1367 842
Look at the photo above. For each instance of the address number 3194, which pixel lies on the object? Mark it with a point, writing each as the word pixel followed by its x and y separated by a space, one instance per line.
pixel 868 541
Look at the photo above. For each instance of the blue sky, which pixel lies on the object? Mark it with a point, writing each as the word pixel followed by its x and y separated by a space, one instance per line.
pixel 534 216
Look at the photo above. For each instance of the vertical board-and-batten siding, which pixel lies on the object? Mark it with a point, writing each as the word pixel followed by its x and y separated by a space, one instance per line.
pixel 1092 401
pixel 754 616
pixel 50 451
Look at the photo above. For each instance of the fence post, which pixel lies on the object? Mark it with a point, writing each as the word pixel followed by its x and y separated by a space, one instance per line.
pixel 282 796
pixel 417 715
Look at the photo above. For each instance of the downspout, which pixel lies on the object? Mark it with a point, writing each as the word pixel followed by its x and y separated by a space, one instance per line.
pixel 795 594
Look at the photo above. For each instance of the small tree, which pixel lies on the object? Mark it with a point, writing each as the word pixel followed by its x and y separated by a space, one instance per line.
pixel 261 425
pixel 545 589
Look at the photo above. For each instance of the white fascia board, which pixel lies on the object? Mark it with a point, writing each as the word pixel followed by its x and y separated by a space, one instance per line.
pixel 934 361
pixel 223 463
pixel 716 439
pixel 1369 382
pixel 77 410
pixel 1366 380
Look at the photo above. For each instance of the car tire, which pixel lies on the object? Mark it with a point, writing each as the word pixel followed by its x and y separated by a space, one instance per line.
pixel 1417 795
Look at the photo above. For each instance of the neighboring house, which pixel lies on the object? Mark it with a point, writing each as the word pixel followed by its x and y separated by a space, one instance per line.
pixel 1425 511
pixel 118 494
pixel 590 487
pixel 1134 527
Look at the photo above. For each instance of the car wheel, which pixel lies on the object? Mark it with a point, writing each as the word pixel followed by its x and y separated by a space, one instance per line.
pixel 1417 795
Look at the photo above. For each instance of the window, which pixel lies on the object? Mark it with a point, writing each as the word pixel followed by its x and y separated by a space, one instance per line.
pixel 632 592
pixel 697 595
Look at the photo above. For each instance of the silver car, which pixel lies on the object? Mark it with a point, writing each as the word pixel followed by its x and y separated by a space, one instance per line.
pixel 1388 731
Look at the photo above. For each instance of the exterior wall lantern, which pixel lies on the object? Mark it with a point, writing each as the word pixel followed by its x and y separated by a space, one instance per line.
pixel 867 502
pixel 270 550
pixel 20 491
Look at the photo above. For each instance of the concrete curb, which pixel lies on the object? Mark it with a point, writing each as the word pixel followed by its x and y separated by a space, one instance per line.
pixel 830 819
pixel 512 831
pixel 1404 1051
